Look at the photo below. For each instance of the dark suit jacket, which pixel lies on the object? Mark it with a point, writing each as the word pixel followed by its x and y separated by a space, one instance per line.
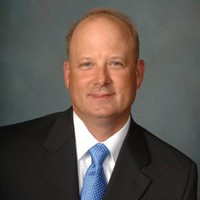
pixel 38 162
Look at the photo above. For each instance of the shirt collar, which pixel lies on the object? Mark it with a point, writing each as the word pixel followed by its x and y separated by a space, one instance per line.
pixel 85 140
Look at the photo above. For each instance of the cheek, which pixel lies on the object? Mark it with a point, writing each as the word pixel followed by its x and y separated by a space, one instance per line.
pixel 79 83
pixel 125 82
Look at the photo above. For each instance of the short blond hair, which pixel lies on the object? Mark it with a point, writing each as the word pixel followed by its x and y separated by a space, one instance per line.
pixel 114 14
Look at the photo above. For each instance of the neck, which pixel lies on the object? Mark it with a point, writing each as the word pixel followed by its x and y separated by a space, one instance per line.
pixel 103 128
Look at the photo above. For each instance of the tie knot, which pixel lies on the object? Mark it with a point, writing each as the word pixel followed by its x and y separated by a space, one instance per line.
pixel 98 152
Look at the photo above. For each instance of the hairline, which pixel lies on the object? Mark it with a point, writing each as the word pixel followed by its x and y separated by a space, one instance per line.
pixel 109 14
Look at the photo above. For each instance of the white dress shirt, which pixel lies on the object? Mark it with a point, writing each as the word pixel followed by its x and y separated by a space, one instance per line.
pixel 85 140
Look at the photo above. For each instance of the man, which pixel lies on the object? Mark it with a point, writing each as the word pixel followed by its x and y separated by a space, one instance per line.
pixel 51 157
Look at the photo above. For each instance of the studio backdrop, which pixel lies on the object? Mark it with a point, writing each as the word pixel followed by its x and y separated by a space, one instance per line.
pixel 33 50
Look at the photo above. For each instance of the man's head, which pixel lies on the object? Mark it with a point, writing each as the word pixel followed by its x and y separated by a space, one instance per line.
pixel 103 71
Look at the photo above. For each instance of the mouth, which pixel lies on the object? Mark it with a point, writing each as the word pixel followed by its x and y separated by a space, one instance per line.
pixel 101 96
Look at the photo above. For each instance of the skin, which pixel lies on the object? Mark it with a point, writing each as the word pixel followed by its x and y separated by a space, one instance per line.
pixel 103 75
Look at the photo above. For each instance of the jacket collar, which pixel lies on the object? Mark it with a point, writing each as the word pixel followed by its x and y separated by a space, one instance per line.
pixel 128 181
pixel 62 131
pixel 58 161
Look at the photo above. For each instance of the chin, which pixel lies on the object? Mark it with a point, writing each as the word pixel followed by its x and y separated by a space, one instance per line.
pixel 103 113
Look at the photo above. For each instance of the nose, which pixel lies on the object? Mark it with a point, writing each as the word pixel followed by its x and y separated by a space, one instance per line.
pixel 102 76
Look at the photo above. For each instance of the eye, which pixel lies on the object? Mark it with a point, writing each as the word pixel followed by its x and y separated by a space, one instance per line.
pixel 86 65
pixel 117 64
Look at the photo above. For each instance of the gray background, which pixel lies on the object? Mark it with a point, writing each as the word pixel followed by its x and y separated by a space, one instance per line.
pixel 33 50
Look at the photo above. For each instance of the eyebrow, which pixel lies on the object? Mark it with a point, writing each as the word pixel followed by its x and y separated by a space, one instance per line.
pixel 85 57
pixel 116 57
pixel 112 57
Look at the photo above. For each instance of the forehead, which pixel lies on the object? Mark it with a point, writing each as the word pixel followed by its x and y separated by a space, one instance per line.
pixel 103 20
pixel 103 27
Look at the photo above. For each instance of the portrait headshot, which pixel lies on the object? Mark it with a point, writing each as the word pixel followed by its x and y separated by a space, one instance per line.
pixel 100 100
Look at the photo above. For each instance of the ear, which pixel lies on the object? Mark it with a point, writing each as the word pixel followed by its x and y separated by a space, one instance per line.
pixel 66 70
pixel 139 73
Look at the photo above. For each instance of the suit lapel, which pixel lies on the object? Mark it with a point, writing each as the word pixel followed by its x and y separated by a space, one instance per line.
pixel 128 180
pixel 58 162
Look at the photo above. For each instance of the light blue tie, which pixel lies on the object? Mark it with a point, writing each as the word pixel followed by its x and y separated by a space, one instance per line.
pixel 94 184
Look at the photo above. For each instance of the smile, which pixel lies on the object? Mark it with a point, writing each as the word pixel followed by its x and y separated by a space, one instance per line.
pixel 101 96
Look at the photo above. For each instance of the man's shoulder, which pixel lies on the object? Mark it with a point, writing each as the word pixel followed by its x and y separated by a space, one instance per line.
pixel 31 128
pixel 29 124
pixel 163 153
pixel 169 168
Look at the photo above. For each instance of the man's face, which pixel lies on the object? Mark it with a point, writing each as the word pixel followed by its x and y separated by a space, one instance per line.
pixel 102 73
